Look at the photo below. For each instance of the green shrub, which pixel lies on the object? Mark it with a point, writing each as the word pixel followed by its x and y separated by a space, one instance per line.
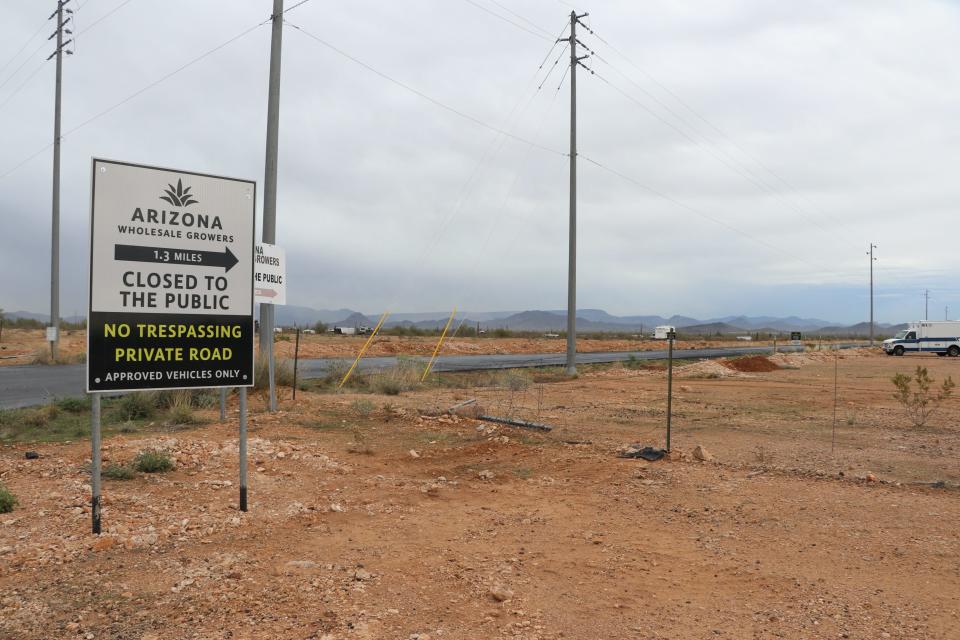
pixel 42 356
pixel 181 414
pixel 387 386
pixel 199 398
pixel 73 405
pixel 282 373
pixel 153 461
pixel 114 471
pixel 403 377
pixel 922 403
pixel 180 404
pixel 360 443
pixel 362 407
pixel 7 500
pixel 137 405
pixel 515 379
pixel 41 416
pixel 335 372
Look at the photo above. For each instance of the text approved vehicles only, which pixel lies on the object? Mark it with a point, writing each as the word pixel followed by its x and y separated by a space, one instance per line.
pixel 928 336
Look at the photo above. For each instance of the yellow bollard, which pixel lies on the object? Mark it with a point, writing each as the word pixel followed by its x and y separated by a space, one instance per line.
pixel 365 345
pixel 439 342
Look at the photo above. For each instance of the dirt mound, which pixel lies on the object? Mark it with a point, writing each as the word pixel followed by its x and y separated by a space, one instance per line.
pixel 708 369
pixel 752 364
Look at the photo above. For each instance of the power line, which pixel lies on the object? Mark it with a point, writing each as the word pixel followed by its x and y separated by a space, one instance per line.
pixel 726 159
pixel 555 43
pixel 22 65
pixel 423 95
pixel 554 66
pixel 494 148
pixel 23 84
pixel 291 8
pixel 517 15
pixel 165 77
pixel 21 49
pixel 702 118
pixel 104 17
pixel 697 212
pixel 509 21
pixel 731 164
pixel 135 94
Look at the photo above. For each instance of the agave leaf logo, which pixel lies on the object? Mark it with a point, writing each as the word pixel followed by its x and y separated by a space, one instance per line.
pixel 178 196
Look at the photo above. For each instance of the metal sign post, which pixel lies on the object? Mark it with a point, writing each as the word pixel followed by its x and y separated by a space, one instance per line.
pixel 171 284
pixel 243 448
pixel 836 372
pixel 95 461
pixel 223 404
pixel 670 337
pixel 296 361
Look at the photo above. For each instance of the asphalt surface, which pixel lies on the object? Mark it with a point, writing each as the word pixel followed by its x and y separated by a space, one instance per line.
pixel 23 386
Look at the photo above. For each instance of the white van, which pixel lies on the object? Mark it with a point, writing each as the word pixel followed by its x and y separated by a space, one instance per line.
pixel 941 337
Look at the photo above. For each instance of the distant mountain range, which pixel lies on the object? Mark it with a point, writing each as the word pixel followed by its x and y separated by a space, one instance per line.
pixel 588 321
pixel 40 317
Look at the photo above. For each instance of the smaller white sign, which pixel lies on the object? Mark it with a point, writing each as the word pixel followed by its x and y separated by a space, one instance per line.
pixel 269 274
pixel 51 334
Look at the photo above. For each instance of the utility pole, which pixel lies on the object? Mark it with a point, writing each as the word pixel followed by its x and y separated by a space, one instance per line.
pixel 872 260
pixel 53 330
pixel 926 304
pixel 270 186
pixel 572 259
pixel 946 313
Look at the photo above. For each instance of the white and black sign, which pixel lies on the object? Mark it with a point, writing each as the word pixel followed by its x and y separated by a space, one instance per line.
pixel 269 274
pixel 171 279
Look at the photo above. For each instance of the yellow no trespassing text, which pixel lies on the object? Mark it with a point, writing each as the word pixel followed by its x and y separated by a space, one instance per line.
pixel 180 331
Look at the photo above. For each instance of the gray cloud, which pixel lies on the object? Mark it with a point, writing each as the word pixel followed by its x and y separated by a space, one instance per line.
pixel 389 201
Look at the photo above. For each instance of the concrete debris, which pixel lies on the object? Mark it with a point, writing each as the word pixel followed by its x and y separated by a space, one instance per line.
pixel 500 593
pixel 700 453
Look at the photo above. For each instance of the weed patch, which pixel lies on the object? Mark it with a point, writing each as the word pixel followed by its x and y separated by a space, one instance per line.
pixel 73 405
pixel 115 471
pixel 153 461
pixel 7 500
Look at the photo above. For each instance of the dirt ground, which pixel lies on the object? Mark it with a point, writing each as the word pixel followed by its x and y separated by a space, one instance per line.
pixel 369 519
pixel 19 346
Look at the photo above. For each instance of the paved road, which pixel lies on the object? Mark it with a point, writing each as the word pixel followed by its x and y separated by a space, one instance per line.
pixel 22 386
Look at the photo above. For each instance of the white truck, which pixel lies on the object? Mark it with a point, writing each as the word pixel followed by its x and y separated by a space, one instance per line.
pixel 941 337
pixel 663 332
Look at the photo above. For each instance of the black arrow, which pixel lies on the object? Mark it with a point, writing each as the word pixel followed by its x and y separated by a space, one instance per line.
pixel 167 255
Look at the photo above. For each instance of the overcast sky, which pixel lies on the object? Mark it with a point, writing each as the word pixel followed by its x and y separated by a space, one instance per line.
pixel 779 139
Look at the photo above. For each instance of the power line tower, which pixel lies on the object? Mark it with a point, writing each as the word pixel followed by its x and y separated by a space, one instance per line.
pixel 926 304
pixel 872 260
pixel 267 318
pixel 53 330
pixel 572 256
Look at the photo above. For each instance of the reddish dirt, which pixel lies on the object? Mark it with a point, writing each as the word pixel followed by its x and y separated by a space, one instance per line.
pixel 752 364
pixel 19 346
pixel 494 532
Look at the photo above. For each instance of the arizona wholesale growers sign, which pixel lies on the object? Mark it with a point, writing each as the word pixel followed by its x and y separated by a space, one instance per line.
pixel 171 279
